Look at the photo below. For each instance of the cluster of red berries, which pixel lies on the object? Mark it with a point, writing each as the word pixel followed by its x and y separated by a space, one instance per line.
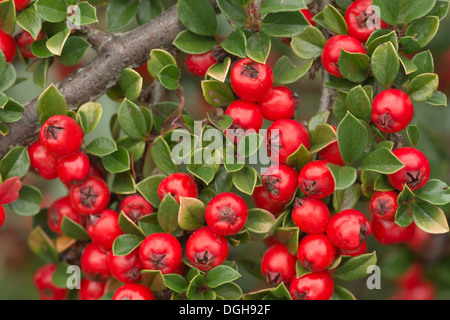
pixel 412 285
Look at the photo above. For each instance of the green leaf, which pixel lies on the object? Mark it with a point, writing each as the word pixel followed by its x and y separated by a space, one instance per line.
pixel 125 244
pixel 148 188
pixel 232 10
pixel 161 156
pixel 60 275
pixel 118 161
pixel 12 111
pixel 258 47
pixel 194 284
pixel 89 115
pixel 284 24
pixel 51 102
pixel 131 120
pixel 409 45
pixel 423 87
pixel 192 43
pixel 245 179
pixel 74 50
pixel 217 93
pixel 323 136
pixel 402 216
pixel 192 214
pixel 429 218
pixel 285 72
pixel 334 20
pixel 131 83
pixel 344 177
pixel 341 293
pixel 299 158
pixel 123 183
pixel 416 9
pixel 175 282
pixel 86 14
pixel 259 221
pixel 169 77
pixel 383 161
pixel 198 16
pixel 219 71
pixel 436 192
pixel 438 99
pixel 440 9
pixel 359 103
pixel 15 163
pixel 74 230
pixel 406 195
pixel 101 146
pixel 220 275
pixel 249 145
pixel 154 279
pixel 229 291
pixel 39 49
pixel 42 246
pixel 408 66
pixel 352 138
pixel 423 30
pixel 236 44
pixel 379 37
pixel 57 42
pixel 347 198
pixel 29 20
pixel 318 119
pixel 149 9
pixel 289 237
pixel 354 66
pixel 159 59
pixel 168 214
pixel 8 78
pixel 51 10
pixel 308 44
pixel 413 133
pixel 29 201
pixel 7 16
pixel 356 268
pixel 120 13
pixel 389 10
pixel 385 63
pixel 269 6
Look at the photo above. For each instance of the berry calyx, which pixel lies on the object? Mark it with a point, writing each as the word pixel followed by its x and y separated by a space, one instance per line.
pixel 7 46
pixel 126 269
pixel 279 103
pixel 332 153
pixel 383 204
pixel 362 20
pixel 388 232
pixel 161 251
pixel 44 283
pixel 246 116
pixel 91 290
pixel 133 291
pixel 316 180
pixel 416 172
pixel 316 252
pixel 74 169
pixel 58 210
pixel 278 265
pixel 103 228
pixel 312 286
pixel 25 41
pixel 311 215
pixel 198 64
pixel 91 196
pixel 178 185
pixel 95 263
pixel 42 161
pixel 135 207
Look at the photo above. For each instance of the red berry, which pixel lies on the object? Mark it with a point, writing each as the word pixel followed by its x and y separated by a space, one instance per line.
pixel 263 200
pixel 316 252
pixel 126 269
pixel 279 103
pixel 226 214
pixel 332 51
pixel 198 64
pixel 311 215
pixel 134 291
pixel 74 169
pixel 420 240
pixel 2 215
pixel 59 209
pixel 331 153
pixel 383 204
pixel 103 228
pixel 25 41
pixel 250 80
pixel 7 46
pixel 44 283
pixel 412 276
pixel 20 4
pixel 362 20
pixel 308 15
pixel 278 265
pixel 135 207
pixel 44 162
pixel 416 172
pixel 280 180
pixel 61 136
pixel 178 185
pixel 143 72
pixel 91 290
pixel 316 180
pixel 206 250
pixel 285 137
pixel 388 232
pixel 95 263
pixel 91 196
pixel 347 229
pixel 354 253
pixel 392 110
pixel 246 116
pixel 161 251
pixel 425 290
pixel 312 286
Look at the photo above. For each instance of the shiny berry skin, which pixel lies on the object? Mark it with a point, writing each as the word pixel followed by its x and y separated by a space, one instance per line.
pixel 178 185
pixel 25 41
pixel 316 252
pixel 331 153
pixel 348 228
pixel 198 64
pixel 44 283
pixel 416 172
pixel 126 269
pixel 312 286
pixel 392 110
pixel 135 207
pixel 103 228
pixel 279 103
pixel 226 214
pixel 2 215
pixel 206 250
pixel 332 51
pixel 246 115
pixel 411 276
pixel 280 180
pixel 59 209
pixel 8 46
pixel 424 290
pixel 74 169
pixel 308 15
pixel 133 291
pixel 354 253
pixel 311 215
pixel 20 4
pixel 278 265
pixel 383 204
pixel 316 180
pixel 250 80
pixel 388 232
pixel 91 196
pixel 161 251
pixel 91 290
pixel 95 263
pixel 285 137
pixel 263 200
pixel 45 163
pixel 61 136
pixel 362 21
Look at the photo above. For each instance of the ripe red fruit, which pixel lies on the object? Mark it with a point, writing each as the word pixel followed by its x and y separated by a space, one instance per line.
pixel 2 215
pixel 280 180
pixel 206 250
pixel 44 283
pixel 246 115
pixel 226 214
pixel 20 4
pixel 392 110
pixel 332 51
pixel 161 251
pixel 279 103
pixel 316 180
pixel 134 291
pixel 44 162
pixel 143 72
pixel 25 41
pixel 354 253
pixel 178 185
pixel 198 64
pixel 331 153
pixel 8 46
pixel 311 215
pixel 74 169
pixel 278 265
pixel 362 20
pixel 135 207
pixel 95 263
pixel 91 196
pixel 59 209
pixel 424 290
pixel 412 276
pixel 316 252
pixel 285 137
pixel 420 240
pixel 388 232
pixel 103 228
pixel 263 200
pixel 348 228
pixel 61 136
pixel 250 80
pixel 91 290
pixel 416 172
pixel 308 15
pixel 312 286
pixel 383 204
pixel 126 269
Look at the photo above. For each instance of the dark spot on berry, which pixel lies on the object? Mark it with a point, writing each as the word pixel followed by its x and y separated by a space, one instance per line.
pixel 249 70
pixel 227 214
pixel 204 258
pixel 272 184
pixel 88 197
pixel 310 187
pixel 274 278
pixel 385 121
pixel 158 260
